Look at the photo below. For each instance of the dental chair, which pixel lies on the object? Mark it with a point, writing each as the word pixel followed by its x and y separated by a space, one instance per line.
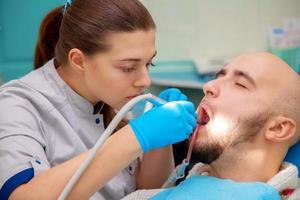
pixel 293 155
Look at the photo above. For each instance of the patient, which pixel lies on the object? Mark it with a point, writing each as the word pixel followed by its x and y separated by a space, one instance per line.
pixel 254 112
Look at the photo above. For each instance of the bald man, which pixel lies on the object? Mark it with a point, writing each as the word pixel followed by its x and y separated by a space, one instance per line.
pixel 254 117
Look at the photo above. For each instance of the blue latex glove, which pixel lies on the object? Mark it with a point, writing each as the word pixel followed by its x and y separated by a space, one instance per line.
pixel 164 125
pixel 172 94
pixel 211 188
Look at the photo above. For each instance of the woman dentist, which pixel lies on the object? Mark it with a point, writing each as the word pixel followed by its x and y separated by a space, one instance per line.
pixel 50 118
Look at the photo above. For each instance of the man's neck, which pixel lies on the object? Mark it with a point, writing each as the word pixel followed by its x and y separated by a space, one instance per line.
pixel 246 163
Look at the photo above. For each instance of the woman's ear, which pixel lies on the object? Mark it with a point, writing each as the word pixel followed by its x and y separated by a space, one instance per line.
pixel 77 60
pixel 281 129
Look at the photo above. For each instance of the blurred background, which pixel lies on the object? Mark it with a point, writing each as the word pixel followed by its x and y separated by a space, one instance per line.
pixel 194 37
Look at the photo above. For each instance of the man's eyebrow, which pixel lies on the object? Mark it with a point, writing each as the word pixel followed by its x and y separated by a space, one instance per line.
pixel 137 59
pixel 221 72
pixel 238 73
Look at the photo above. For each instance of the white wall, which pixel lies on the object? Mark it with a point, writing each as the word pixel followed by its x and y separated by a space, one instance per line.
pixel 190 29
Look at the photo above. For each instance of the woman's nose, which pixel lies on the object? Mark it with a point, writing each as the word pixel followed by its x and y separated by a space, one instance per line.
pixel 143 79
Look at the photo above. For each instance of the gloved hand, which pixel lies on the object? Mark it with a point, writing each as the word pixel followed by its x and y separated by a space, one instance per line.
pixel 172 94
pixel 211 188
pixel 164 125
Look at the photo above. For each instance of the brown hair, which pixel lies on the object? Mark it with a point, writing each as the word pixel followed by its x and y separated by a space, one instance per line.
pixel 93 20
pixel 86 25
pixel 48 37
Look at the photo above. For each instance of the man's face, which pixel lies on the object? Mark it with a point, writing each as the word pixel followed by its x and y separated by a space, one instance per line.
pixel 238 103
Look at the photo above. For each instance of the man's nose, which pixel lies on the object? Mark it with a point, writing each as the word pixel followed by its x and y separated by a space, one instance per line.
pixel 211 89
pixel 143 79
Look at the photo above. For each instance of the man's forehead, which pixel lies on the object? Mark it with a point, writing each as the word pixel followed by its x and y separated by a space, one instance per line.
pixel 257 65
pixel 263 68
pixel 247 65
pixel 240 68
pixel 261 61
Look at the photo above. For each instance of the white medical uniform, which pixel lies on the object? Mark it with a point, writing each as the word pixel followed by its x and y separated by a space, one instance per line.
pixel 43 123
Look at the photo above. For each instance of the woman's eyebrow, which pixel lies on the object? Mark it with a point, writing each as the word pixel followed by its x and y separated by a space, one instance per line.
pixel 137 59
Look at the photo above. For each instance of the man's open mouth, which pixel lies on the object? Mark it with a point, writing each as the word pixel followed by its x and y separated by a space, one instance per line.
pixel 203 117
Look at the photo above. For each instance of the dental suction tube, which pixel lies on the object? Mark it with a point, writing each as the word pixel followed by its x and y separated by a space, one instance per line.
pixel 108 131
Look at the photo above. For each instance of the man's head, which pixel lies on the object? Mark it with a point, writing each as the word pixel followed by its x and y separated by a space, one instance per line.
pixel 254 99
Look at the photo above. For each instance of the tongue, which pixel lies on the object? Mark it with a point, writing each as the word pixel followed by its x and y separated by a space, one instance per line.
pixel 203 117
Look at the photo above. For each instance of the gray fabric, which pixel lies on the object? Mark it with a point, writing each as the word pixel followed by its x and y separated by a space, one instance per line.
pixel 42 118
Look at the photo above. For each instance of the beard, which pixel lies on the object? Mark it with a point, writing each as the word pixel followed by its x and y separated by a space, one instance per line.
pixel 245 130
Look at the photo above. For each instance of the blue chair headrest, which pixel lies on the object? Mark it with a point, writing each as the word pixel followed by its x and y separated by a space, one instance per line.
pixel 293 155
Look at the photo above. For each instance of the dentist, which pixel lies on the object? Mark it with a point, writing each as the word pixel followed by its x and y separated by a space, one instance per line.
pixel 50 118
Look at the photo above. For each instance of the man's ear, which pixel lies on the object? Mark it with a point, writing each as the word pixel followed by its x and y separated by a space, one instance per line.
pixel 281 129
pixel 77 60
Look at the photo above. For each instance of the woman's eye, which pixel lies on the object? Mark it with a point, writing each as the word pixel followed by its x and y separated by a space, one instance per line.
pixel 128 69
pixel 151 64
pixel 241 85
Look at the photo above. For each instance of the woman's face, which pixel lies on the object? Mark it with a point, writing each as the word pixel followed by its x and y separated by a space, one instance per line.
pixel 118 75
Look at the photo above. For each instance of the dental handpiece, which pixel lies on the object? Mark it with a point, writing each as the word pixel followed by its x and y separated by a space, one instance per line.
pixel 108 131
pixel 156 100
